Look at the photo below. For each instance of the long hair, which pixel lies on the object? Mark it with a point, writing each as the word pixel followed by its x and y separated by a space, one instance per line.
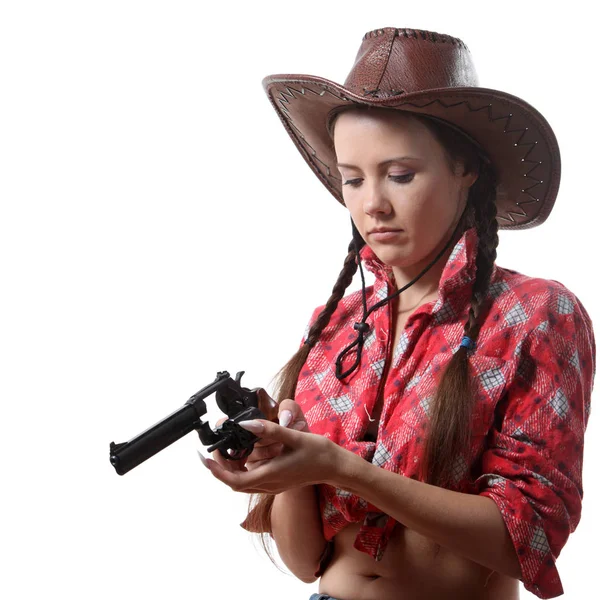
pixel 450 412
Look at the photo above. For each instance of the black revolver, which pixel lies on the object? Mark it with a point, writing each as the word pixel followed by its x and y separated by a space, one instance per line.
pixel 232 441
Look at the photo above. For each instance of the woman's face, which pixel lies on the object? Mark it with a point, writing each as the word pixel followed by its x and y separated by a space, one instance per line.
pixel 396 175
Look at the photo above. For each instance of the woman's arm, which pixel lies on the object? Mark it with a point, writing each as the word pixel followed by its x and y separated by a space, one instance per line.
pixel 470 525
pixel 295 516
pixel 298 532
pixel 467 524
pixel 296 523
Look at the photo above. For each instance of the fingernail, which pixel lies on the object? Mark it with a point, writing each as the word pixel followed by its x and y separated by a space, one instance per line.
pixel 204 461
pixel 253 426
pixel 285 418
pixel 299 425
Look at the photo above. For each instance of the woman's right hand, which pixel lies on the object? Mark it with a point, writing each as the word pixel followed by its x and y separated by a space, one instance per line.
pixel 290 415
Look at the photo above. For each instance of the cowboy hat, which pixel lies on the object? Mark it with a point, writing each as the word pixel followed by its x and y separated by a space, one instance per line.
pixel 433 75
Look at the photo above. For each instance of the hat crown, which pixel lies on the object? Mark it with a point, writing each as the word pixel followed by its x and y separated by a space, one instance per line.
pixel 393 62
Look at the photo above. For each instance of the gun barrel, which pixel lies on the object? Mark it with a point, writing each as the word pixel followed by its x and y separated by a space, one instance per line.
pixel 129 455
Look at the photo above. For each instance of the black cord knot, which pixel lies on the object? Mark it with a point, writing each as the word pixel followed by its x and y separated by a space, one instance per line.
pixel 362 327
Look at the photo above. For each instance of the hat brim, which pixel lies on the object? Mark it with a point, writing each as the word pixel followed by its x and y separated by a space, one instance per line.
pixel 515 136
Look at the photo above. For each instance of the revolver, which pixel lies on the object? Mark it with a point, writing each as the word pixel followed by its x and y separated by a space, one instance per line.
pixel 231 440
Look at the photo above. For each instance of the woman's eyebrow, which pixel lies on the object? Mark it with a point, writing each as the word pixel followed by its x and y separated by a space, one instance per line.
pixel 381 164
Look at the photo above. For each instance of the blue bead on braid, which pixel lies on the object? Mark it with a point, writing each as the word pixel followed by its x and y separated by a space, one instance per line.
pixel 467 343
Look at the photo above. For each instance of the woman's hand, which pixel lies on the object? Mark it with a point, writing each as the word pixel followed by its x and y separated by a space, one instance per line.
pixel 305 459
pixel 290 415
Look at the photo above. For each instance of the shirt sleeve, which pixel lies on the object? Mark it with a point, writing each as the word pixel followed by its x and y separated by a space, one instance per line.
pixel 532 464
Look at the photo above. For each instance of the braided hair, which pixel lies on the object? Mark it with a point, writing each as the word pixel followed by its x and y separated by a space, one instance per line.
pixel 449 423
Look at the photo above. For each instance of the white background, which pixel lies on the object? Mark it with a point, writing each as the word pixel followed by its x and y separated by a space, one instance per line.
pixel 158 225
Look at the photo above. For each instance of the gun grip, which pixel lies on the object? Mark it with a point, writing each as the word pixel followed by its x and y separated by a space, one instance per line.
pixel 267 405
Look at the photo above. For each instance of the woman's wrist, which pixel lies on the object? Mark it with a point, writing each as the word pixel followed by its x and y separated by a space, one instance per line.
pixel 347 467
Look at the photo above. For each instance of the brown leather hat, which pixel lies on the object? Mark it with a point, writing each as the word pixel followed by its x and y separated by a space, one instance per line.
pixel 433 75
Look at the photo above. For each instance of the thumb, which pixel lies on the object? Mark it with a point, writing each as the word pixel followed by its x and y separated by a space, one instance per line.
pixel 267 430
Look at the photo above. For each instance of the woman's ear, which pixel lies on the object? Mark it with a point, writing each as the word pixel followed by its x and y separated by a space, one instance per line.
pixel 468 173
pixel 469 179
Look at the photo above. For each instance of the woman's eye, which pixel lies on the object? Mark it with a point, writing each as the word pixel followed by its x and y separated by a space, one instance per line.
pixel 403 178
pixel 406 178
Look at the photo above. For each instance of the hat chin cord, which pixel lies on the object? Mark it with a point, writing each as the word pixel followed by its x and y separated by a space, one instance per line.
pixel 363 327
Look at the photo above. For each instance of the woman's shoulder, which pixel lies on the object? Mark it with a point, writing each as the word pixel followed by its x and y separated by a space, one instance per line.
pixel 544 311
pixel 534 294
pixel 521 282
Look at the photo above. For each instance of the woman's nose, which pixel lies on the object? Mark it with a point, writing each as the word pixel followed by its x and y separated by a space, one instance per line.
pixel 375 200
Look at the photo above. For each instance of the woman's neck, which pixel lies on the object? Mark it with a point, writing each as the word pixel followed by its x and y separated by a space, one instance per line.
pixel 426 288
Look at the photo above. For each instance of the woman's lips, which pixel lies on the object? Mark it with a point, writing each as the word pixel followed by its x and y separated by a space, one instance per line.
pixel 385 236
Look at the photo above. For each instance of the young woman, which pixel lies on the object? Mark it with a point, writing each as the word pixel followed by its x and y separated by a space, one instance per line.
pixel 430 434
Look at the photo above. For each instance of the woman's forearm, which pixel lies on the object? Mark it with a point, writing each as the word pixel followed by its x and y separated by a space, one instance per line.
pixel 297 530
pixel 467 524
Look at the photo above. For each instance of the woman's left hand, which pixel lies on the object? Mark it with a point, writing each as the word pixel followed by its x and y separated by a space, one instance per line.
pixel 306 459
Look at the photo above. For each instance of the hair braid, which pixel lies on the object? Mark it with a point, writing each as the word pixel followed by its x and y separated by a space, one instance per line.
pixel 287 376
pixel 450 418
pixel 344 280
pixel 260 505
pixel 487 232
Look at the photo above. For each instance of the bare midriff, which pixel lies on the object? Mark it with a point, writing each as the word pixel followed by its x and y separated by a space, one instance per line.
pixel 412 568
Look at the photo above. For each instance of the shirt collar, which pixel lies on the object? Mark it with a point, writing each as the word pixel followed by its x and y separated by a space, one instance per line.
pixel 458 273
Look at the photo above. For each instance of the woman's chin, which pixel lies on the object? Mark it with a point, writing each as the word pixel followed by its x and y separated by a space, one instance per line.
pixel 390 256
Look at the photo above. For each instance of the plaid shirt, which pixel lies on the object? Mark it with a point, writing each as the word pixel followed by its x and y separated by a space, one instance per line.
pixel 532 374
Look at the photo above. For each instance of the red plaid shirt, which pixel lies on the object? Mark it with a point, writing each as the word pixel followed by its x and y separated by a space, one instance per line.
pixel 533 373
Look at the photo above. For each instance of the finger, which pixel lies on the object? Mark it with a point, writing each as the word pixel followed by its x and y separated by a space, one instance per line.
pixel 263 443
pixel 292 407
pixel 268 431
pixel 229 464
pixel 265 452
pixel 264 478
pixel 215 455
pixel 285 417
pixel 300 426
pixel 255 464
pixel 290 413
pixel 234 479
